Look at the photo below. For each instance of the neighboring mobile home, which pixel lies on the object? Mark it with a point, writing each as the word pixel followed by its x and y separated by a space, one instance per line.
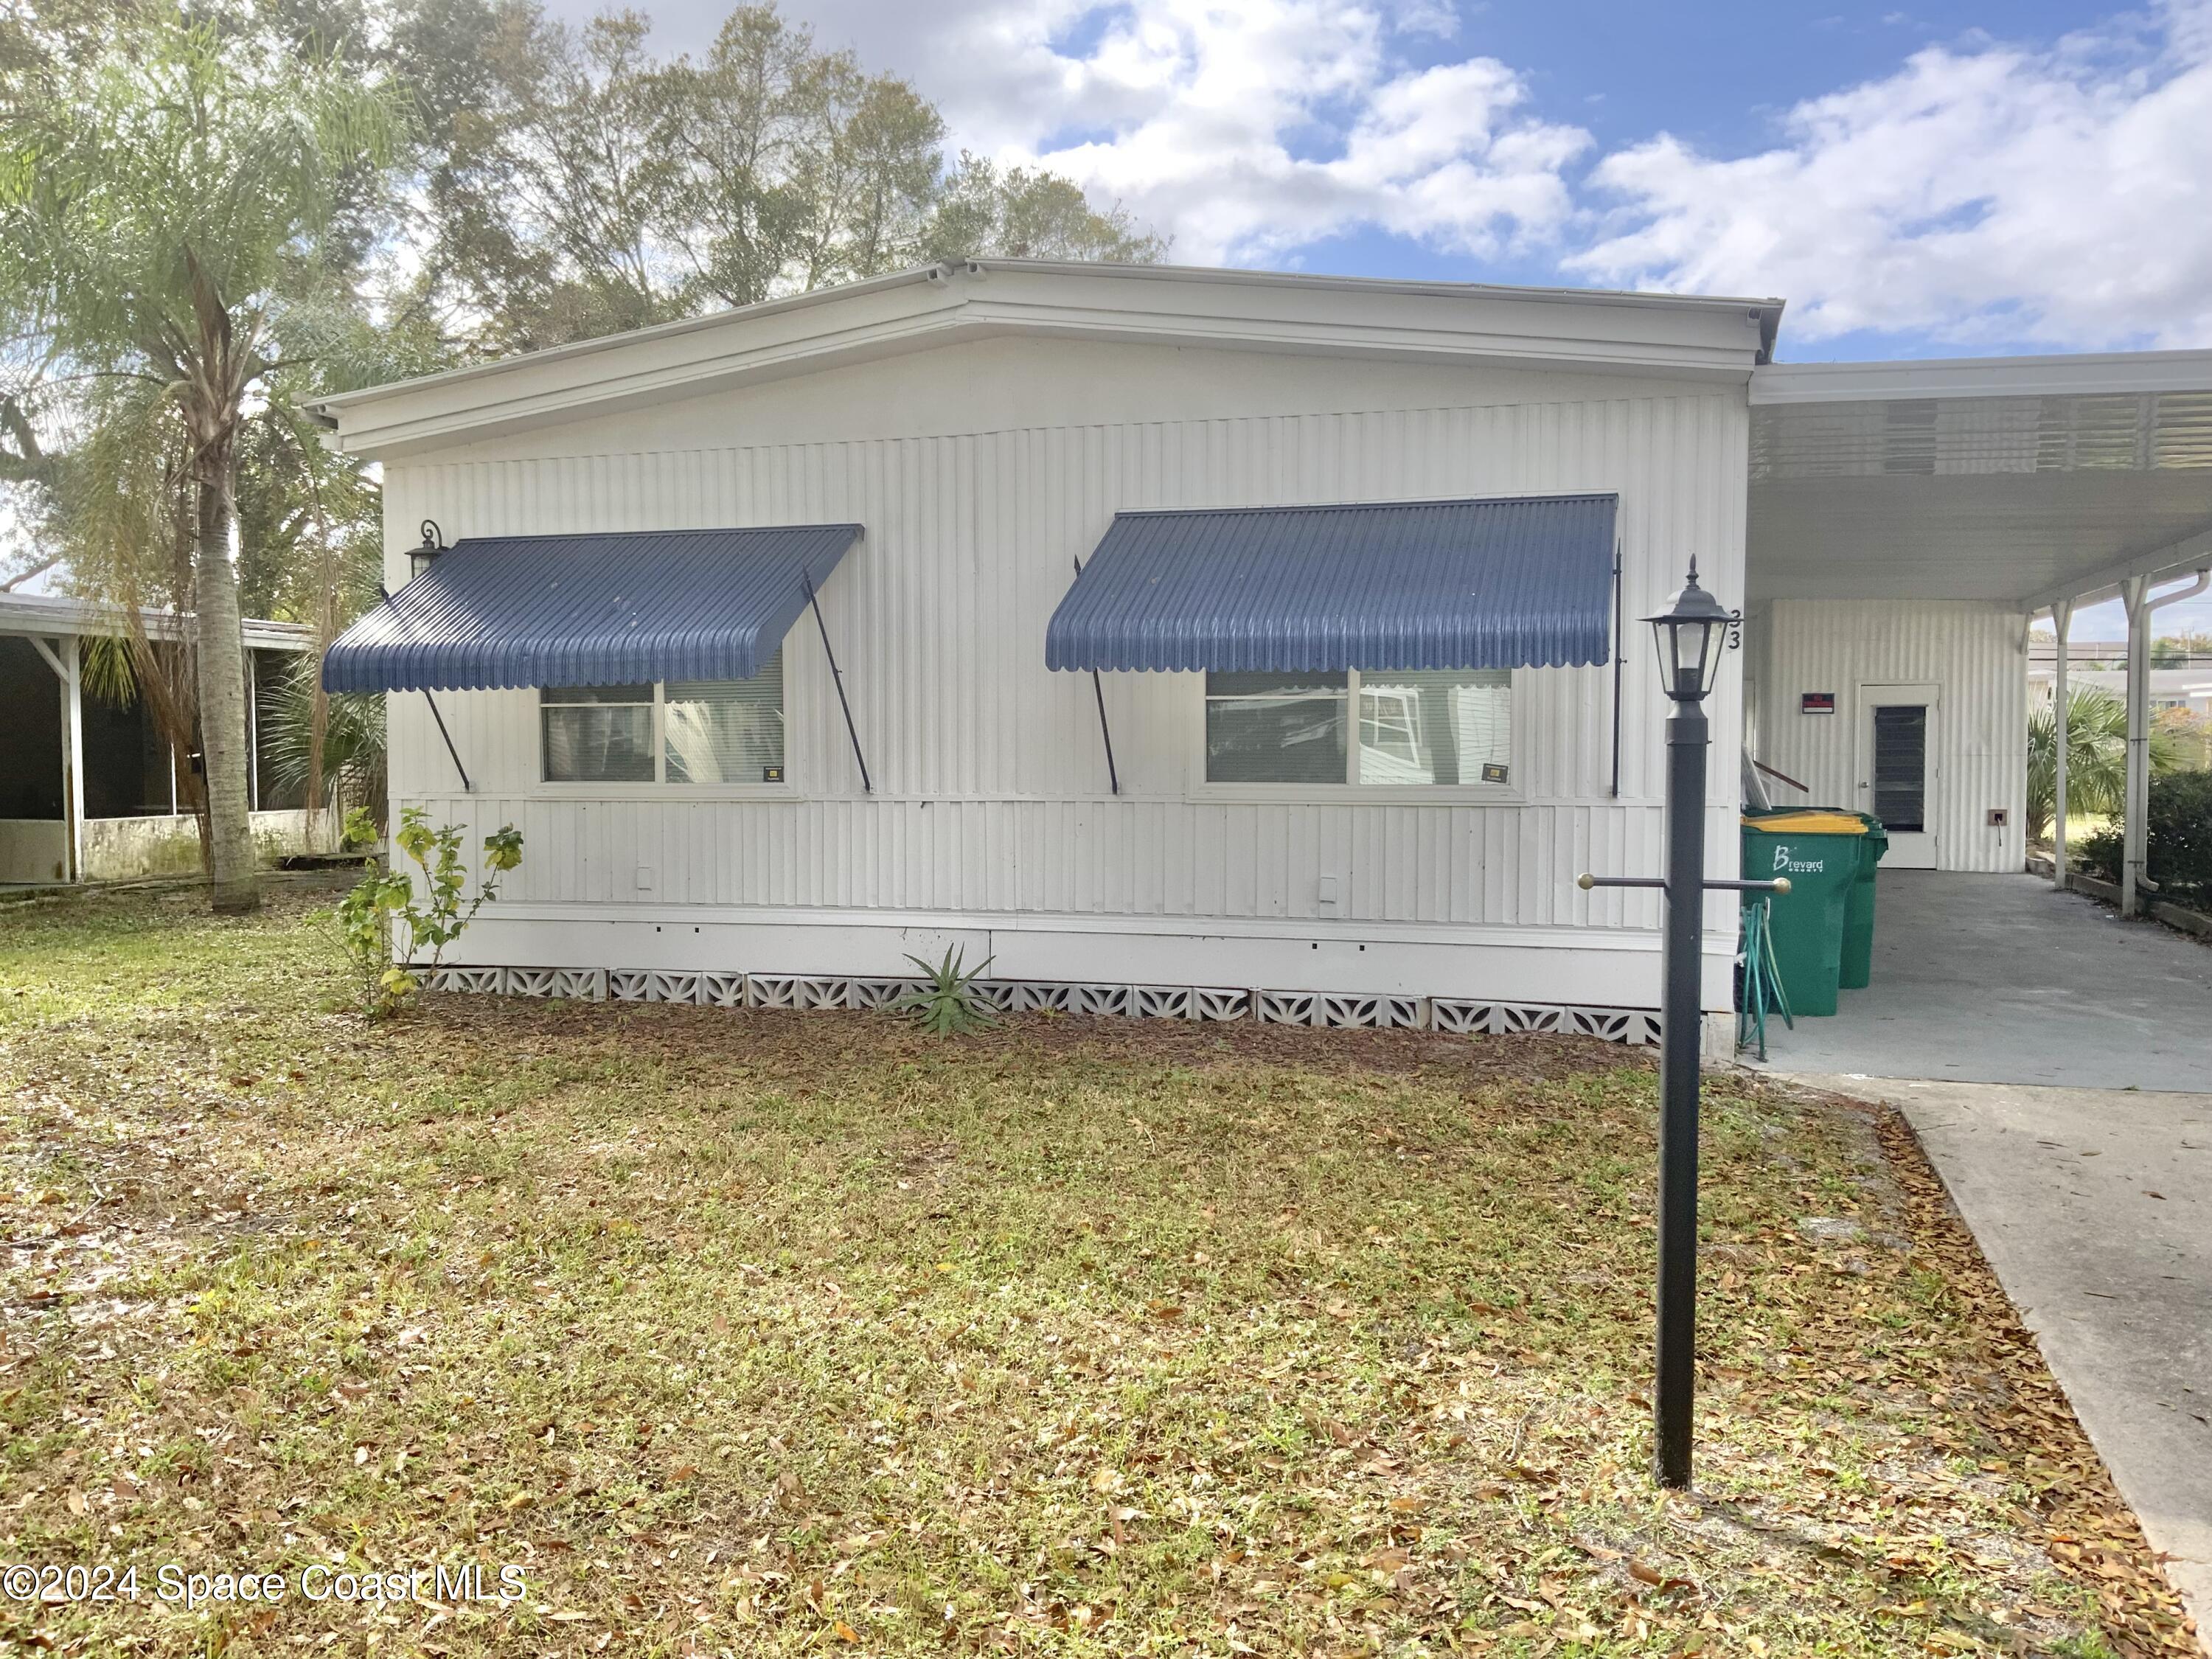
pixel 89 789
pixel 766 629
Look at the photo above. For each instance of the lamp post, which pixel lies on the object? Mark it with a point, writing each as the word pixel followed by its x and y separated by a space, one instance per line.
pixel 1691 633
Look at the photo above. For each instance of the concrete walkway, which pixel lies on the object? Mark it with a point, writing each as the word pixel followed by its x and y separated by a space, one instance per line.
pixel 1998 979
pixel 2095 1208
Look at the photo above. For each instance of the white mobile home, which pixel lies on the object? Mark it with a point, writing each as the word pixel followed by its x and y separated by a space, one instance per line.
pixel 767 630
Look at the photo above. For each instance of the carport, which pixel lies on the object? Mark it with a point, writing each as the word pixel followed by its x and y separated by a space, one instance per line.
pixel 1907 523
pixel 2004 979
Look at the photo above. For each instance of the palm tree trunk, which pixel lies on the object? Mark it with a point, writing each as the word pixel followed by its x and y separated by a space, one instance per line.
pixel 236 886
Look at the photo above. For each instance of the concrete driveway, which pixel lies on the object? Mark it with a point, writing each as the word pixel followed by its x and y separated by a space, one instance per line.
pixel 1999 979
pixel 2056 1064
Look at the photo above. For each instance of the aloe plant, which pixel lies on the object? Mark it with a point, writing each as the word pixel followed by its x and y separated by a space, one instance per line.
pixel 946 1001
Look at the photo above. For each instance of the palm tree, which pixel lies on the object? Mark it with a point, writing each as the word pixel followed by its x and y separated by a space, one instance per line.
pixel 154 200
pixel 2096 757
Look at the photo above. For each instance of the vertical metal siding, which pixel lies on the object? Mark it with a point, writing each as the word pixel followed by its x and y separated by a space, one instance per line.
pixel 1974 653
pixel 991 789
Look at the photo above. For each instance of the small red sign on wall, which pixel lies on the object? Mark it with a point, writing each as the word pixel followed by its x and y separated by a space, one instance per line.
pixel 1817 702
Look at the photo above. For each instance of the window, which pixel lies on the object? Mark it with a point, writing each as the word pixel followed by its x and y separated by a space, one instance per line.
pixel 597 733
pixel 725 731
pixel 688 732
pixel 1275 729
pixel 1414 727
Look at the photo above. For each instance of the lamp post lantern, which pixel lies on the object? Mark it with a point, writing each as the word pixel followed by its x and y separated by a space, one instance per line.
pixel 425 553
pixel 1691 633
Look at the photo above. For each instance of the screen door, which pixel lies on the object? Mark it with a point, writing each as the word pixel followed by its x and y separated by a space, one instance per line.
pixel 1897 769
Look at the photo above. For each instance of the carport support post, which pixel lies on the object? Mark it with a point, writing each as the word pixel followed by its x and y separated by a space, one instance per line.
pixel 2135 801
pixel 2134 591
pixel 2062 621
pixel 1680 1020
pixel 75 662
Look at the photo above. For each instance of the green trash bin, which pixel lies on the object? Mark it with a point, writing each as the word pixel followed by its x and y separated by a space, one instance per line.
pixel 1857 969
pixel 1819 851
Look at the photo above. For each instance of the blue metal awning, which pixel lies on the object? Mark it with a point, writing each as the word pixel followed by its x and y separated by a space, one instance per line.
pixel 1470 584
pixel 591 610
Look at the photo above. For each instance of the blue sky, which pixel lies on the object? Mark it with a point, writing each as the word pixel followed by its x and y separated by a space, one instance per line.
pixel 1943 180
pixel 1948 179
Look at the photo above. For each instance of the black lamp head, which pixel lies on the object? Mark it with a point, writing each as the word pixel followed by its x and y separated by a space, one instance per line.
pixel 421 556
pixel 1692 632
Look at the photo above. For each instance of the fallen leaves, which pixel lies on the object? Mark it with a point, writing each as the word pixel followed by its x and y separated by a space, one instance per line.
pixel 775 1333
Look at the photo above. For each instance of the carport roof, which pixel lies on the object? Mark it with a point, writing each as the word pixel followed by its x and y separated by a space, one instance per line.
pixel 2018 480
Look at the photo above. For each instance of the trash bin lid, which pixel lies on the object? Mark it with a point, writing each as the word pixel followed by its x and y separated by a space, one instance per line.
pixel 1807 821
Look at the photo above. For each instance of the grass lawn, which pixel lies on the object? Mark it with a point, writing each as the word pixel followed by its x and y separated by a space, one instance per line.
pixel 759 1332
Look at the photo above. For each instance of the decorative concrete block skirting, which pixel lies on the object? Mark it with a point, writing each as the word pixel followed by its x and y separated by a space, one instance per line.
pixel 1196 1002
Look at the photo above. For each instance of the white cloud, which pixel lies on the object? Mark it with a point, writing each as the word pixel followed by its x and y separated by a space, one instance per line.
pixel 1248 129
pixel 1982 193
pixel 1988 193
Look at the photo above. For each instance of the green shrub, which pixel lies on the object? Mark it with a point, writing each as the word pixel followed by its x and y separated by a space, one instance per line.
pixel 2178 836
pixel 2098 854
pixel 2178 840
pixel 385 933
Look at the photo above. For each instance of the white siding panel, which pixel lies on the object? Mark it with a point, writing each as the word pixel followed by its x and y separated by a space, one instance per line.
pixel 1975 653
pixel 990 781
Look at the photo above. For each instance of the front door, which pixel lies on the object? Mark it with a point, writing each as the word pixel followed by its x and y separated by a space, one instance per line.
pixel 1896 765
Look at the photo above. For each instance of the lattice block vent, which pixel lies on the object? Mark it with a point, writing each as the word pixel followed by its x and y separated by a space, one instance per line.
pixel 875 993
pixel 821 993
pixel 671 987
pixel 1346 1010
pixel 1461 1014
pixel 1388 1010
pixel 1003 994
pixel 1042 993
pixel 1634 1026
pixel 1100 999
pixel 1288 1007
pixel 1214 1003
pixel 771 990
pixel 1164 1001
pixel 475 981
pixel 580 984
pixel 721 990
pixel 1520 1017
pixel 532 982
pixel 626 985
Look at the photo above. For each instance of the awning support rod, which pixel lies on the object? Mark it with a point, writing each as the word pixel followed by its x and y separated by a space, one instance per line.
pixel 1098 689
pixel 467 786
pixel 838 679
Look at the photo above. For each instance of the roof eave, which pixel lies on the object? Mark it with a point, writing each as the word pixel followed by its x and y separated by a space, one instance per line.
pixel 1695 337
pixel 2060 375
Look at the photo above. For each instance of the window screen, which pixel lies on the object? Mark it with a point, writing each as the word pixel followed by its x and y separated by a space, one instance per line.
pixel 727 731
pixel 597 733
pixel 1414 727
pixel 1276 728
pixel 1434 727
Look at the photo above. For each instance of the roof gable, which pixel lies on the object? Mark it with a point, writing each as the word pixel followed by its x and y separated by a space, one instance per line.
pixel 940 305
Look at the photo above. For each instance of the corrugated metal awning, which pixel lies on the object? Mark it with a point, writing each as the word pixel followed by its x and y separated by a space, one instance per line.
pixel 1473 584
pixel 592 610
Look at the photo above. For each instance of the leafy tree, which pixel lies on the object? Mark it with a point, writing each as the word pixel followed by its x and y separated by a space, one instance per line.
pixel 1022 214
pixel 155 195
pixel 576 185
pixel 2096 757
pixel 2175 650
